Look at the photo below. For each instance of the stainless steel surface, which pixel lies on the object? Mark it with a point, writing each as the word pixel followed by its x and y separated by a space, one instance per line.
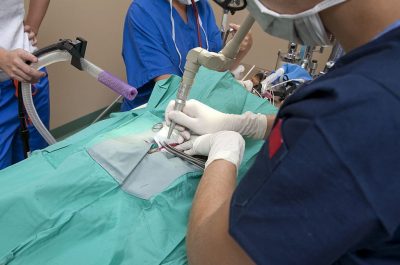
pixel 201 163
pixel 157 127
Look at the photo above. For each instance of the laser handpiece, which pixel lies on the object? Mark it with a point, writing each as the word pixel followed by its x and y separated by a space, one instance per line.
pixel 215 61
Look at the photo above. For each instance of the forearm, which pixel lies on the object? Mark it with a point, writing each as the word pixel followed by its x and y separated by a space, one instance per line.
pixel 2 53
pixel 2 58
pixel 36 13
pixel 208 240
pixel 216 186
pixel 161 77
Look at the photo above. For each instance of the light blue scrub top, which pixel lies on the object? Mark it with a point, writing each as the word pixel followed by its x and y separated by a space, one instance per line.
pixel 148 48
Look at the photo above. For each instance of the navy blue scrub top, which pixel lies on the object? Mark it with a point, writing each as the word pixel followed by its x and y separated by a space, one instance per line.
pixel 148 48
pixel 325 189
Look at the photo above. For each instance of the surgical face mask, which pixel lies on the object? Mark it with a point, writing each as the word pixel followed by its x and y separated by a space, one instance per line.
pixel 304 28
pixel 186 2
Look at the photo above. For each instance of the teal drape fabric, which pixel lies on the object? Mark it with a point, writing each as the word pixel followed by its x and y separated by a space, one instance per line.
pixel 62 207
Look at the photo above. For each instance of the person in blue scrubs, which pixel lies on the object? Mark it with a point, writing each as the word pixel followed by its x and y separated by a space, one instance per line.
pixel 324 188
pixel 157 36
pixel 17 41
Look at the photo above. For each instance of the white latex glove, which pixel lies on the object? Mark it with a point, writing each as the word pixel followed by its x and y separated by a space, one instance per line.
pixel 202 119
pixel 247 84
pixel 226 145
pixel 177 137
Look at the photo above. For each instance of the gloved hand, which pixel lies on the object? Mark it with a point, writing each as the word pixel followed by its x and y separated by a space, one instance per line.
pixel 202 119
pixel 226 145
pixel 179 135
pixel 247 84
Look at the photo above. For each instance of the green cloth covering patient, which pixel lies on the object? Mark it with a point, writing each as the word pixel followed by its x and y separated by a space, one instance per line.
pixel 61 207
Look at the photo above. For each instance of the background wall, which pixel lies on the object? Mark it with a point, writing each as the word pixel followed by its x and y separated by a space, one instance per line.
pixel 100 22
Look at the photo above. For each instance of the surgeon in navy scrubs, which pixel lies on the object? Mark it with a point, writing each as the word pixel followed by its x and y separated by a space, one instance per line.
pixel 325 188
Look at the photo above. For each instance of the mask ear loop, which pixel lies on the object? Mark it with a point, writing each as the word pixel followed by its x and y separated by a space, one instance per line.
pixel 174 38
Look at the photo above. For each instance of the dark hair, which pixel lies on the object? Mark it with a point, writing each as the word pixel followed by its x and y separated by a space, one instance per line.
pixel 260 76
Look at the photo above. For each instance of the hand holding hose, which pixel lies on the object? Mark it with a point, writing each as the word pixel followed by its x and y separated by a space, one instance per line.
pixel 13 64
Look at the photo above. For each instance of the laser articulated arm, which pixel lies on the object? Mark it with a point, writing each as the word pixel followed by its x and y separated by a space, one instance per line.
pixel 73 51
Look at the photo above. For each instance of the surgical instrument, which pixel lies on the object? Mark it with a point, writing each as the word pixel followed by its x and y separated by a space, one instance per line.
pixel 313 67
pixel 106 110
pixel 157 127
pixel 292 56
pixel 248 73
pixel 197 161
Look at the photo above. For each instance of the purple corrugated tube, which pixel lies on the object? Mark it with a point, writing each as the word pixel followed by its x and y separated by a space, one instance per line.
pixel 117 85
